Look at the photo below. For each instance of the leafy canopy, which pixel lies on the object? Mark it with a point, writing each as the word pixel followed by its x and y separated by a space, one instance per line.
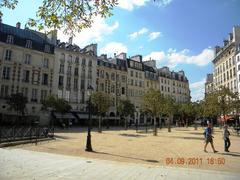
pixel 17 102
pixel 101 102
pixel 69 15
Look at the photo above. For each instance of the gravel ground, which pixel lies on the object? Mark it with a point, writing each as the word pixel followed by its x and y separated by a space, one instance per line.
pixel 183 147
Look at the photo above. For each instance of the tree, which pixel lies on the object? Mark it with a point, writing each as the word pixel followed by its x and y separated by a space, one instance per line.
pixel 169 108
pixel 152 103
pixel 59 105
pixel 125 109
pixel 101 103
pixel 69 15
pixel 17 102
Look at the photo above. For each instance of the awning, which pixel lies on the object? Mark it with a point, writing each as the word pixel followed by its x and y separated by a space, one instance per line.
pixel 64 116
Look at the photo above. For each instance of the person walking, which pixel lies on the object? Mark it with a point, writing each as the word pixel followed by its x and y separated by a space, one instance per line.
pixel 226 135
pixel 209 138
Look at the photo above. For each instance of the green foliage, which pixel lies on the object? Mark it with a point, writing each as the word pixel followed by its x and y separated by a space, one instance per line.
pixel 101 102
pixel 17 102
pixel 153 103
pixel 125 108
pixel 169 106
pixel 69 15
pixel 60 105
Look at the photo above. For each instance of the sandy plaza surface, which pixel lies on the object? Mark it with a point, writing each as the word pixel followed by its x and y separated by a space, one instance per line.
pixel 182 147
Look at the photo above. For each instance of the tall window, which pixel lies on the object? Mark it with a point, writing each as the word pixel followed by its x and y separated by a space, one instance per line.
pixel 4 90
pixel 45 79
pixel 25 91
pixel 34 95
pixel 90 63
pixel 26 75
pixel 28 44
pixel 45 62
pixel 9 39
pixel 47 48
pixel 68 82
pixel 43 94
pixel 27 59
pixel 60 81
pixel 84 62
pixel 6 73
pixel 76 72
pixel 75 84
pixel 61 69
pixel 8 55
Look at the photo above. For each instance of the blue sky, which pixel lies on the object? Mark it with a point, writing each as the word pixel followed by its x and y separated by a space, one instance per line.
pixel 176 33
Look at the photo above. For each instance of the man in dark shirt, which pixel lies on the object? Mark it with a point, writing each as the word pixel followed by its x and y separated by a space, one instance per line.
pixel 209 137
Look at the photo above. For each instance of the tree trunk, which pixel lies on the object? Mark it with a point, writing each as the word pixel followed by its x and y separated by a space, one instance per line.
pixel 100 124
pixel 125 120
pixel 155 127
pixel 169 123
pixel 195 126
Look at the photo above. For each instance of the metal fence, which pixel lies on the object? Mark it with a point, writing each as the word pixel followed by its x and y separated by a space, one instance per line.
pixel 20 133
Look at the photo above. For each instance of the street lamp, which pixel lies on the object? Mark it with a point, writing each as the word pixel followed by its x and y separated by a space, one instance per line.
pixel 89 145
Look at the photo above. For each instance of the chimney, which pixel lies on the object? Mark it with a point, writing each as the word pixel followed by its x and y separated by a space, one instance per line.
pixel 225 42
pixel 18 25
pixel 70 40
pixel 217 49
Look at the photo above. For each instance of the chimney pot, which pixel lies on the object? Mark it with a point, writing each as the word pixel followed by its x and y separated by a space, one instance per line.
pixel 18 25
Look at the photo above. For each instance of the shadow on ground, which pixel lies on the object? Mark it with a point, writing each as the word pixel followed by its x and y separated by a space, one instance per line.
pixel 116 155
pixel 132 135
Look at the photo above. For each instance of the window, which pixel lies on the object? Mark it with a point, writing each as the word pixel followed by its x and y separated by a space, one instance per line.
pixel 77 60
pixel 60 81
pixel 34 95
pixel 68 82
pixel 76 72
pixel 45 79
pixel 27 59
pixel 6 73
pixel 136 74
pixel 90 63
pixel 83 62
pixel 63 56
pixel 45 62
pixel 26 75
pixel 113 77
pixel 8 55
pixel 9 39
pixel 70 59
pixel 123 90
pixel 112 89
pixel 47 48
pixel 75 84
pixel 25 91
pixel 4 90
pixel 61 69
pixel 28 44
pixel 234 71
pixel 43 94
pixel 140 75
pixel 131 73
pixel 69 70
pixel 123 79
pixel 107 76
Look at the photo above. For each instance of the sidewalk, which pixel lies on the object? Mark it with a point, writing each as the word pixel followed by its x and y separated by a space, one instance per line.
pixel 23 164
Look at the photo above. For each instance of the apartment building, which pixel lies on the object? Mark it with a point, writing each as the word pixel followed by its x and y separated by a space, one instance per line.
pixel 26 65
pixel 74 70
pixel 174 84
pixel 111 79
pixel 209 86
pixel 224 61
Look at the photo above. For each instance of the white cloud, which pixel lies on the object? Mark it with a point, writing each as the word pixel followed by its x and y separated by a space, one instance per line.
pixel 202 59
pixel 94 34
pixel 198 90
pixel 173 57
pixel 130 4
pixel 163 3
pixel 153 35
pixel 157 55
pixel 113 47
pixel 134 35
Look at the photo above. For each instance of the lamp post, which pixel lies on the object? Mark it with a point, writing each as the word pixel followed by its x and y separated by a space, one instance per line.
pixel 89 145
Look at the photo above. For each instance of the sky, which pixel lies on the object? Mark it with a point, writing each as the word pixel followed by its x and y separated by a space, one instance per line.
pixel 180 34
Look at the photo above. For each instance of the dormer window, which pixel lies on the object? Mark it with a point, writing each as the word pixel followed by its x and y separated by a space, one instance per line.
pixel 9 39
pixel 28 44
pixel 47 48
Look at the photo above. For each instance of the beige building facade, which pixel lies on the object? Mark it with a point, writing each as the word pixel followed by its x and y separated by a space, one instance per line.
pixel 26 66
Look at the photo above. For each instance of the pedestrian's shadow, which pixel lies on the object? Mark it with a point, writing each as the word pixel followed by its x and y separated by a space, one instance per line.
pixel 235 154
pixel 116 155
